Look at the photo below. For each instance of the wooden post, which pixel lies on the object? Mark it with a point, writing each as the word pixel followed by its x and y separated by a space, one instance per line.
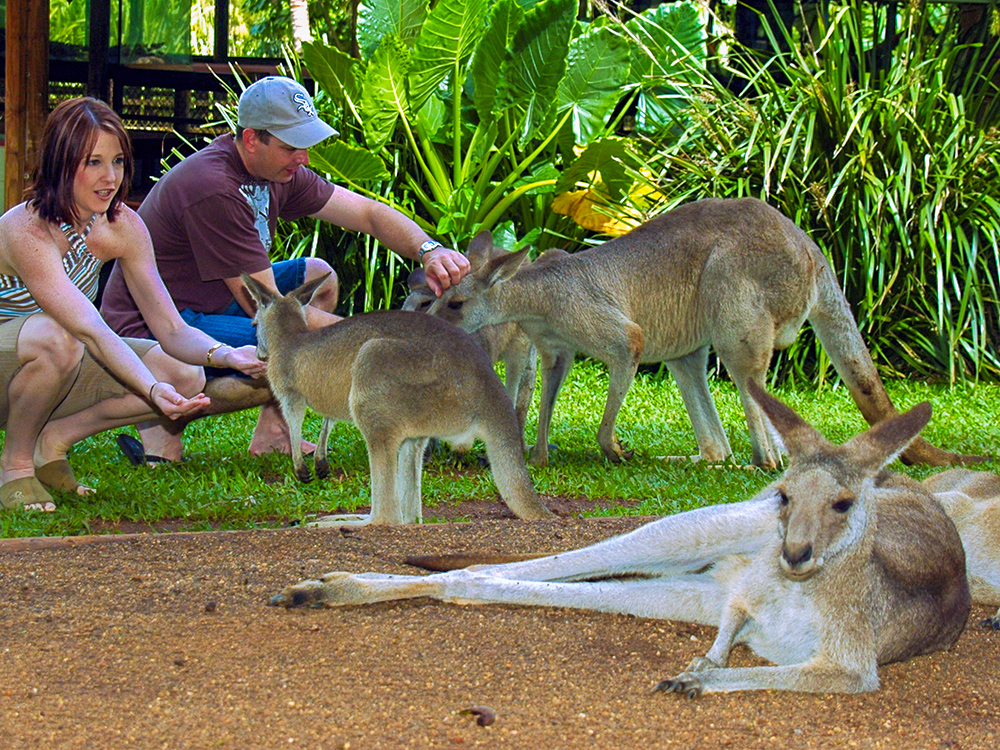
pixel 98 41
pixel 220 50
pixel 27 90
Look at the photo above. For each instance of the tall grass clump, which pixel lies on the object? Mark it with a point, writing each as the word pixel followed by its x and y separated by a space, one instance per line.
pixel 894 170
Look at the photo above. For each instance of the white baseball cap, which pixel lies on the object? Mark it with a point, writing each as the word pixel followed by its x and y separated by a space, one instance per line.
pixel 283 108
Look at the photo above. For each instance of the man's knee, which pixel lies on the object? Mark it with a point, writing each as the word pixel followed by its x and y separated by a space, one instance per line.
pixel 326 296
pixel 230 393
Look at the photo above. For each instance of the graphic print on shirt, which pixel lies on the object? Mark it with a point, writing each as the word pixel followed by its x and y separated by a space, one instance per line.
pixel 259 198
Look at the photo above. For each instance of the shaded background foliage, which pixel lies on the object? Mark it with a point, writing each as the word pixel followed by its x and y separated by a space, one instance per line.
pixel 554 123
pixel 889 158
pixel 891 168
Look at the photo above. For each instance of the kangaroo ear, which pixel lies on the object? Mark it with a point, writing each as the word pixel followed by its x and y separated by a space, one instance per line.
pixel 481 249
pixel 417 281
pixel 881 443
pixel 797 436
pixel 260 293
pixel 304 293
pixel 503 266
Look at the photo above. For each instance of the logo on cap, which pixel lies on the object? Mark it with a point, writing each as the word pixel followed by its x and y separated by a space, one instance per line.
pixel 303 104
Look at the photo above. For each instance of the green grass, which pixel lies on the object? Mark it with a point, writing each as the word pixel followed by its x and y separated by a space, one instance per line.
pixel 220 486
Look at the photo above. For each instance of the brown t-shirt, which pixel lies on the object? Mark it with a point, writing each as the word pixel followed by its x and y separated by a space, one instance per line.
pixel 210 220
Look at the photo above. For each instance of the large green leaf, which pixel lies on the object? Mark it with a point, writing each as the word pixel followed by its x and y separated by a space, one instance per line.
pixel 609 161
pixel 384 99
pixel 530 75
pixel 671 43
pixel 597 69
pixel 446 42
pixel 378 19
pixel 347 163
pixel 491 53
pixel 671 50
pixel 337 73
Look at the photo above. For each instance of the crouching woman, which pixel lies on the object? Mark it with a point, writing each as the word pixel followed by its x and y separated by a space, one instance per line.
pixel 64 375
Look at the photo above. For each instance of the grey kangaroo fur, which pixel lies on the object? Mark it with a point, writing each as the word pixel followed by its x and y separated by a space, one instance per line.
pixel 836 568
pixel 401 378
pixel 506 343
pixel 736 275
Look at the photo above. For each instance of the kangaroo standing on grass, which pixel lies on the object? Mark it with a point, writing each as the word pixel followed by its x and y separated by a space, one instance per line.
pixel 836 568
pixel 505 342
pixel 736 275
pixel 401 378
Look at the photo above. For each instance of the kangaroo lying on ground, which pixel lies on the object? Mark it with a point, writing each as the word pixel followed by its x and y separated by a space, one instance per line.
pixel 972 501
pixel 733 274
pixel 401 378
pixel 836 568
pixel 505 342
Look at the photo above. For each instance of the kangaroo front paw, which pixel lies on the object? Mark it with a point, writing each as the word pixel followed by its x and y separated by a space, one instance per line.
pixel 991 623
pixel 688 684
pixel 322 467
pixel 303 474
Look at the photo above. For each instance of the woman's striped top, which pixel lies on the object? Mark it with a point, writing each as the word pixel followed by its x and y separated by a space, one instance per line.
pixel 83 269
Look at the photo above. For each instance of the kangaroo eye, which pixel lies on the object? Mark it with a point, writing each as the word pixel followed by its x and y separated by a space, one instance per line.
pixel 783 498
pixel 455 304
pixel 842 506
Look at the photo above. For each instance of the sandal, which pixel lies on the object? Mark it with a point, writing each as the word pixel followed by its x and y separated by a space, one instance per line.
pixel 133 451
pixel 57 475
pixel 26 493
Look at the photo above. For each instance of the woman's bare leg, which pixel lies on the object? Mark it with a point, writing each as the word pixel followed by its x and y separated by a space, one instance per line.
pixel 59 435
pixel 50 363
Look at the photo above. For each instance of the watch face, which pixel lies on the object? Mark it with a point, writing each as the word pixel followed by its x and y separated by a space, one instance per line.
pixel 428 246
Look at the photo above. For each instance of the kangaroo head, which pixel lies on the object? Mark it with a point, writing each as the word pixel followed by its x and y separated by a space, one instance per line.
pixel 823 497
pixel 275 313
pixel 468 304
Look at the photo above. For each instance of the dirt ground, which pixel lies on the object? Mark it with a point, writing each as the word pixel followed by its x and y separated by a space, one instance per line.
pixel 165 641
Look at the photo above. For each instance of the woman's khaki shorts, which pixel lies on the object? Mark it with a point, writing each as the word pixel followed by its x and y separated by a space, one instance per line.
pixel 94 384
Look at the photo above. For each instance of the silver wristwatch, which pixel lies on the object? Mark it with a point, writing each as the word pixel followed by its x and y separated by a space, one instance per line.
pixel 426 247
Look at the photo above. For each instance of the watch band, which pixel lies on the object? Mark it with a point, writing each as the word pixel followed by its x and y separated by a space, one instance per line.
pixel 426 247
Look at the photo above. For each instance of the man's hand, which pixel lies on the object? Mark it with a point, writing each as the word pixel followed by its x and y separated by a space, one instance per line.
pixel 443 268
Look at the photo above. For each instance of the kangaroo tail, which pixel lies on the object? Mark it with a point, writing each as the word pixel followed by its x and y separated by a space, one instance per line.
pixel 838 332
pixel 504 451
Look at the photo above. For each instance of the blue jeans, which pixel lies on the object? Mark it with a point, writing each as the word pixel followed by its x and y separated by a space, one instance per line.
pixel 233 326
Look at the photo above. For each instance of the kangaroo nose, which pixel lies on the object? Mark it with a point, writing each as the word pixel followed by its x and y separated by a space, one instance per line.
pixel 796 557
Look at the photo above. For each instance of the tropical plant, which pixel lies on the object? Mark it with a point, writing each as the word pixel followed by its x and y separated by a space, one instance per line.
pixel 476 112
pixel 892 169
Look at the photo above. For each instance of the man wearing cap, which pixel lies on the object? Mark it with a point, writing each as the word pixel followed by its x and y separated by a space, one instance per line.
pixel 213 217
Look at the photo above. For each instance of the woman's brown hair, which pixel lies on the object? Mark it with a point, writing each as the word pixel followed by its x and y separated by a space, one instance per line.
pixel 70 132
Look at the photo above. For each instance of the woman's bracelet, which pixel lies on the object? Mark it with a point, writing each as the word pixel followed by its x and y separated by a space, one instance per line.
pixel 151 390
pixel 212 350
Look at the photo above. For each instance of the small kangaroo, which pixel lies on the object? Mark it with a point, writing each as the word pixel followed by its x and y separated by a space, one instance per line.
pixel 401 378
pixel 733 274
pixel 505 342
pixel 837 567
